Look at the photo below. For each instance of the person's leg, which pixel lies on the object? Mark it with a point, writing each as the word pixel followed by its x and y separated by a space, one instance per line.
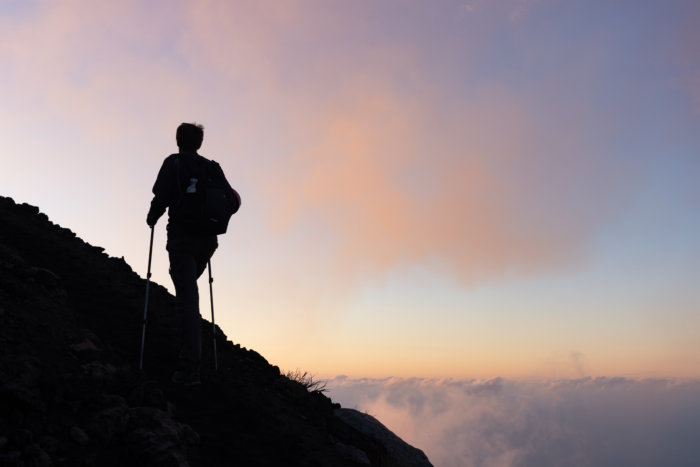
pixel 183 270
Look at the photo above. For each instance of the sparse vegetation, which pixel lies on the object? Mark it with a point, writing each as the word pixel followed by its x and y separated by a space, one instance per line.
pixel 307 380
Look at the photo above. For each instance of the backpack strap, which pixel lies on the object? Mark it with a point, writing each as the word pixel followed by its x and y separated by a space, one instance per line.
pixel 177 177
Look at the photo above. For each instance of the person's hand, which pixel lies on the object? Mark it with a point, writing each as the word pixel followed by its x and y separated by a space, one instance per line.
pixel 151 221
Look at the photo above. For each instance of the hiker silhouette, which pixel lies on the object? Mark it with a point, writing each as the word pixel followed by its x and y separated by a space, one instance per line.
pixel 187 185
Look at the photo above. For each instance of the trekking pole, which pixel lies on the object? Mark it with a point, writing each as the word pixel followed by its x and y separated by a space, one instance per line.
pixel 213 326
pixel 145 306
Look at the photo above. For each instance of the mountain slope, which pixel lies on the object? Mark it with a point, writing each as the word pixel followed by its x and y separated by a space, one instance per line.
pixel 71 393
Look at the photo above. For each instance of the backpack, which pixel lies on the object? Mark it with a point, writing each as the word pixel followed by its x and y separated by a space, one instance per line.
pixel 207 201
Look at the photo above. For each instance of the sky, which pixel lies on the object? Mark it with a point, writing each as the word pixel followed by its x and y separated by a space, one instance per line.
pixel 432 191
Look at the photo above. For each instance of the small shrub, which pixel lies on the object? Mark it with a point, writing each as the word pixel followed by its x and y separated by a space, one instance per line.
pixel 307 380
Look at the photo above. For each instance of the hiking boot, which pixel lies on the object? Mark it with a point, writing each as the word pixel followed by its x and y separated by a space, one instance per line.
pixel 186 378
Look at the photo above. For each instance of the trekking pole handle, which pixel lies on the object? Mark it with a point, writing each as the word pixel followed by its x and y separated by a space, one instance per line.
pixel 150 253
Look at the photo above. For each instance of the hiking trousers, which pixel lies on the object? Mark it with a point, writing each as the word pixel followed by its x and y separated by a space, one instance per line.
pixel 189 256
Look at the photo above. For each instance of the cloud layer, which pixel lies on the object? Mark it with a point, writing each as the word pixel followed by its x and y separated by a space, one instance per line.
pixel 602 422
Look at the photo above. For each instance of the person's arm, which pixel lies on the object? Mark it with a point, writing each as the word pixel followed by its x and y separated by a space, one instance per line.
pixel 163 192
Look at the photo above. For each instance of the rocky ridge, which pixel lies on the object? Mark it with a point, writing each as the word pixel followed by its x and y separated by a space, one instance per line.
pixel 71 393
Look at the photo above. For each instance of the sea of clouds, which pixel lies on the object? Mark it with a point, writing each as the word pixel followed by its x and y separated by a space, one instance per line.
pixel 503 423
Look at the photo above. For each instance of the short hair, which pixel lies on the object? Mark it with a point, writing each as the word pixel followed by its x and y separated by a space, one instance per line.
pixel 189 136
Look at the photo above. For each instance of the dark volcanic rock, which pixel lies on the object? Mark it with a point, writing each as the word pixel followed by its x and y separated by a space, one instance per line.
pixel 398 452
pixel 71 393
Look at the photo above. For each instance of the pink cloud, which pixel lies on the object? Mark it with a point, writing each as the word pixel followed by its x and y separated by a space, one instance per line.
pixel 480 184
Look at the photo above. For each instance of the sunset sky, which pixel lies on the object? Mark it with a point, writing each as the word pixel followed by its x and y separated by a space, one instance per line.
pixel 433 189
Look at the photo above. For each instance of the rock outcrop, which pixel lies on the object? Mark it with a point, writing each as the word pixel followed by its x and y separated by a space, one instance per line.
pixel 71 393
pixel 397 452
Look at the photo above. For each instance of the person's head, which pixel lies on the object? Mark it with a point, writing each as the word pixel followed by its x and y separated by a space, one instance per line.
pixel 189 136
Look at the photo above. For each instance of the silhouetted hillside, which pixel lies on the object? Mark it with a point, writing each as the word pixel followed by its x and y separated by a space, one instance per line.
pixel 71 393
